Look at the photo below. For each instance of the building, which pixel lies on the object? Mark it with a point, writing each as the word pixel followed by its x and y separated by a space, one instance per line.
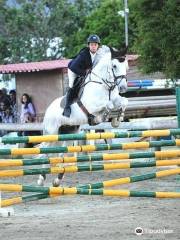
pixel 43 81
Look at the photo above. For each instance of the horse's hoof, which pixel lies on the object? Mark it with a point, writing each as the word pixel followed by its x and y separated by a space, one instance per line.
pixel 40 181
pixel 56 182
pixel 115 123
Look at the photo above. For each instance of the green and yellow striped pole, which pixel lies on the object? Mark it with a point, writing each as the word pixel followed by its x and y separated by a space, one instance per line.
pixel 87 168
pixel 90 136
pixel 89 148
pixel 45 192
pixel 108 183
pixel 178 105
pixel 131 179
pixel 81 191
pixel 22 199
pixel 91 158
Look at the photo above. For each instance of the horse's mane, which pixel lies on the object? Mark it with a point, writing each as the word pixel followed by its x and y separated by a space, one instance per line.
pixel 109 51
pixel 102 51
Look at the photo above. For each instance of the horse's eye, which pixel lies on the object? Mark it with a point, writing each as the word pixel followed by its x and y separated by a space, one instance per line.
pixel 121 59
pixel 114 66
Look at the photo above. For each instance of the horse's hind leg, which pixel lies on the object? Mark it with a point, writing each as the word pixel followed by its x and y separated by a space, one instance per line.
pixel 71 129
pixel 57 181
pixel 42 177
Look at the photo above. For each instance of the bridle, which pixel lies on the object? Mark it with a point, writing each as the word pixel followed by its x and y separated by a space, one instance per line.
pixel 110 84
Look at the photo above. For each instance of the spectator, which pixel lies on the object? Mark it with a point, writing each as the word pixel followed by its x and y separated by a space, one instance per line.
pixel 12 96
pixel 6 115
pixel 28 113
pixel 4 98
pixel 4 90
pixel 5 95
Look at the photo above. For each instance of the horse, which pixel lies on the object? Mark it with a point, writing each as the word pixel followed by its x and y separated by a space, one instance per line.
pixel 100 95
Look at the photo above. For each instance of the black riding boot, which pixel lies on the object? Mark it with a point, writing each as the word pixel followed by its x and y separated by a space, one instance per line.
pixel 69 98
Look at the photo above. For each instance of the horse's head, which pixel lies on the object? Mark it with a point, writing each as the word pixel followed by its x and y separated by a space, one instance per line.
pixel 119 68
pixel 111 68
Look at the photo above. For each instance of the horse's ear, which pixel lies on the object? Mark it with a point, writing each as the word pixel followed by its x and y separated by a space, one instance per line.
pixel 123 50
pixel 114 53
pixel 118 53
pixel 122 53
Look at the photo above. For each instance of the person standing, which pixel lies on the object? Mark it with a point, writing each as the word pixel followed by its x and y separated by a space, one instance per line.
pixel 12 96
pixel 28 112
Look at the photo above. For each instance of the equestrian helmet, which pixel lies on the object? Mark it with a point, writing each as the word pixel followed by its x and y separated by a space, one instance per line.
pixel 93 39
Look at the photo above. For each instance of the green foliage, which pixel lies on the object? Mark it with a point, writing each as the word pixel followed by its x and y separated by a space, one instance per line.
pixel 103 21
pixel 29 30
pixel 29 27
pixel 171 39
pixel 158 36
pixel 82 10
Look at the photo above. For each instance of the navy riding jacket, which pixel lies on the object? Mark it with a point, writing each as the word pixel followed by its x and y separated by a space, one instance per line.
pixel 81 63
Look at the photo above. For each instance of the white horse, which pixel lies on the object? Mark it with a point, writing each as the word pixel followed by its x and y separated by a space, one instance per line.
pixel 100 95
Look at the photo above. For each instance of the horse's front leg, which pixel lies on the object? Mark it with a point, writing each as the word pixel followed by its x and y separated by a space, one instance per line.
pixel 103 115
pixel 120 104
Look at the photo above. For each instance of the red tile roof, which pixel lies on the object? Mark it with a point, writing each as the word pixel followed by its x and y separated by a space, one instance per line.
pixel 132 57
pixel 34 66
pixel 42 66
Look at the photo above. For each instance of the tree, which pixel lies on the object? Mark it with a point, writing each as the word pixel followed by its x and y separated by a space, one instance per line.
pixel 3 38
pixel 81 10
pixel 105 22
pixel 29 32
pixel 36 30
pixel 158 36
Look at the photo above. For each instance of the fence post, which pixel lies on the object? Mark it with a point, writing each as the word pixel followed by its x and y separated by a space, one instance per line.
pixel 178 105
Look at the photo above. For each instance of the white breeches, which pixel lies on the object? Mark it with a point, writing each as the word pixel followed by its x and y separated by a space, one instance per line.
pixel 72 76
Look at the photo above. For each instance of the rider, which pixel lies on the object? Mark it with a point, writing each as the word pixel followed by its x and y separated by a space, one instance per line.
pixel 79 67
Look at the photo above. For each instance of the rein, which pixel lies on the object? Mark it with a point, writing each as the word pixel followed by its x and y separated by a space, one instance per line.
pixel 108 83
